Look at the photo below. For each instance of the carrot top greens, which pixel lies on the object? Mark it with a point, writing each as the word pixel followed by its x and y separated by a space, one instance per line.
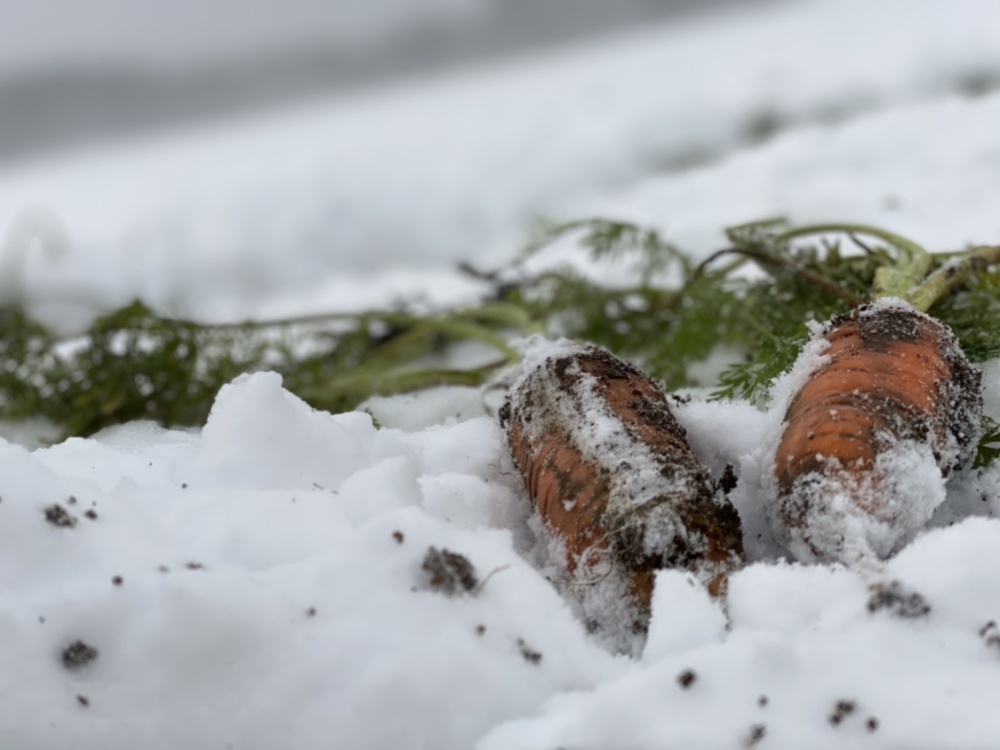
pixel 730 324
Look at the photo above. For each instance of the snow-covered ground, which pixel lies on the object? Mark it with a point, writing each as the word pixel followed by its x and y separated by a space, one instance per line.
pixel 270 582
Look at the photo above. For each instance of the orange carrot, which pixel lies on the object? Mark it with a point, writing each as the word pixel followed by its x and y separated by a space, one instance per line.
pixel 609 469
pixel 892 380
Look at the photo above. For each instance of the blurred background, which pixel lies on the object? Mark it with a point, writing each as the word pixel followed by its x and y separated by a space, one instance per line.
pixel 76 72
pixel 231 159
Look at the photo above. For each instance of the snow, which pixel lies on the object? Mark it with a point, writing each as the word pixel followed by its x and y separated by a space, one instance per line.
pixel 263 582
pixel 802 641
pixel 272 594
pixel 265 597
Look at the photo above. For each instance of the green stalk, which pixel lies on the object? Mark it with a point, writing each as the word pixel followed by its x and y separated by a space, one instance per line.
pixel 357 384
pixel 952 275
pixel 505 314
pixel 907 278
pixel 897 280
pixel 904 244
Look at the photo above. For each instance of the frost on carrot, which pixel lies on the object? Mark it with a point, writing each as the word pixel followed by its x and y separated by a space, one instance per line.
pixel 610 472
pixel 882 407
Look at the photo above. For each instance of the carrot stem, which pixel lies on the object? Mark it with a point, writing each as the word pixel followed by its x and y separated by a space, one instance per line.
pixel 907 245
pixel 897 280
pixel 766 259
pixel 951 275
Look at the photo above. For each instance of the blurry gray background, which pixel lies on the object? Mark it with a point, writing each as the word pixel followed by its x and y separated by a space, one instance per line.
pixel 81 71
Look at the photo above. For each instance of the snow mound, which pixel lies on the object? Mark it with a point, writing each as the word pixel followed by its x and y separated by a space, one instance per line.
pixel 270 583
pixel 810 661
pixel 289 578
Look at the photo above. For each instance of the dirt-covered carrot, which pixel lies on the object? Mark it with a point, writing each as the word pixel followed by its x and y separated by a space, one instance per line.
pixel 881 407
pixel 889 396
pixel 611 474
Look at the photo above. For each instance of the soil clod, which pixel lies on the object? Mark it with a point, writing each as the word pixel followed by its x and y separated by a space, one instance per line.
pixel 59 516
pixel 899 602
pixel 686 678
pixel 78 654
pixel 990 634
pixel 756 734
pixel 529 654
pixel 841 710
pixel 450 573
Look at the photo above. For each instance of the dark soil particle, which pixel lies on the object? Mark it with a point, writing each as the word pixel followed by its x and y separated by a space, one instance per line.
pixel 762 701
pixel 686 678
pixel 117 580
pixel 398 536
pixel 841 710
pixel 83 700
pixel 450 573
pixel 311 612
pixel 72 500
pixel 899 602
pixel 990 634
pixel 728 480
pixel 530 655
pixel 193 565
pixel 59 516
pixel 503 415
pixel 480 629
pixel 872 724
pixel 91 514
pixel 78 654
pixel 756 734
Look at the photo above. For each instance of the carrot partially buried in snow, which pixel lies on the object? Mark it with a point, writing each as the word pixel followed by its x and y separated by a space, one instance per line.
pixel 883 406
pixel 611 474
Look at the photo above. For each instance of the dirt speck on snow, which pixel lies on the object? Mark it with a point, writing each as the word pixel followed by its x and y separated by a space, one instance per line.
pixel 841 710
pixel 450 573
pixel 755 735
pixel 78 654
pixel 529 654
pixel 899 602
pixel 59 516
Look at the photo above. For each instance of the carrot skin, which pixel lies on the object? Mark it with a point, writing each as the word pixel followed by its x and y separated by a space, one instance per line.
pixel 610 472
pixel 891 376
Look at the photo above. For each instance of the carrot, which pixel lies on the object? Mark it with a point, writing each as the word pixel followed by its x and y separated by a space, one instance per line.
pixel 889 406
pixel 610 472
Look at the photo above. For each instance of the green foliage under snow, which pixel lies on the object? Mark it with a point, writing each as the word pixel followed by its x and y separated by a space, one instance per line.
pixel 751 301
